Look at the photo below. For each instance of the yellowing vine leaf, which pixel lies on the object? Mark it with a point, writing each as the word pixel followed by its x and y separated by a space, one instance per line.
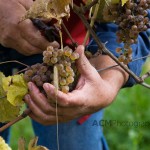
pixel 48 9
pixel 2 92
pixel 33 145
pixel 16 88
pixel 21 144
pixel 103 5
pixel 123 2
pixel 3 145
pixel 115 1
pixel 8 112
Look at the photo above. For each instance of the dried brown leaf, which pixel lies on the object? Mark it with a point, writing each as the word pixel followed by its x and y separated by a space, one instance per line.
pixel 48 9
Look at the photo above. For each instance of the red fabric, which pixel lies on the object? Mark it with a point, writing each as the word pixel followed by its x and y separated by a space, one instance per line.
pixel 78 32
pixel 75 27
pixel 83 119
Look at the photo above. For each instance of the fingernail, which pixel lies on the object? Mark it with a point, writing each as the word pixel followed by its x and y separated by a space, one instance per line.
pixel 30 86
pixel 27 97
pixel 46 86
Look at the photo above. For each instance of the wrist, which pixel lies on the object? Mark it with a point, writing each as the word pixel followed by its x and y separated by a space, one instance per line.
pixel 116 76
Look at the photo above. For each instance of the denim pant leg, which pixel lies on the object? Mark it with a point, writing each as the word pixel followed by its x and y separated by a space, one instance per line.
pixel 73 136
pixel 5 134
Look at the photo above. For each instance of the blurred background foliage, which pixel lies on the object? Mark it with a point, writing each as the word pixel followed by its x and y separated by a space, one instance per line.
pixel 131 104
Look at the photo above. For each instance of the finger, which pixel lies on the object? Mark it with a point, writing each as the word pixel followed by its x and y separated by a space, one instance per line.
pixel 26 3
pixel 35 109
pixel 83 65
pixel 51 95
pixel 31 34
pixel 27 49
pixel 66 100
pixel 80 83
pixel 22 46
pixel 40 100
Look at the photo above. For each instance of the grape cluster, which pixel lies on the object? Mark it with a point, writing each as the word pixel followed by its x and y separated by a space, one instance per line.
pixel 131 20
pixel 63 59
pixel 38 74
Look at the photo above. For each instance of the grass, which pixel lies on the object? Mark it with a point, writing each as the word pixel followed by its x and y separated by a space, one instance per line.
pixel 21 129
pixel 131 105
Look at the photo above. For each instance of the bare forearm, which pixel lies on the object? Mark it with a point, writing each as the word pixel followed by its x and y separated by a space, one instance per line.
pixel 116 76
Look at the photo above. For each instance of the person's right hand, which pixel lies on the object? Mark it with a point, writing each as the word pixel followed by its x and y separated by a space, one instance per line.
pixel 24 36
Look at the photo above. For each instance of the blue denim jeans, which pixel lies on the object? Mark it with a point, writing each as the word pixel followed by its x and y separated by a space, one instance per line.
pixel 73 136
pixel 5 134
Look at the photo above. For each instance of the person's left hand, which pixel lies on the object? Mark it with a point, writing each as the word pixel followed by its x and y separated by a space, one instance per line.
pixel 93 92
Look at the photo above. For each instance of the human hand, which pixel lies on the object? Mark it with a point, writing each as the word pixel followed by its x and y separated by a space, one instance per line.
pixel 24 36
pixel 93 92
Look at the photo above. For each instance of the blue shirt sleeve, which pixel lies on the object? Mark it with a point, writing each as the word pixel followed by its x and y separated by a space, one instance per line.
pixel 107 34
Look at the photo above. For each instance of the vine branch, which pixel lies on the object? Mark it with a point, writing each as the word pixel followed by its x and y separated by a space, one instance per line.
pixel 22 116
pixel 13 61
pixel 101 46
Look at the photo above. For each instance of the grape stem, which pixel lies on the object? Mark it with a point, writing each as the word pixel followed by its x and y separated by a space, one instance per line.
pixel 145 76
pixel 88 6
pixel 101 46
pixel 20 71
pixel 69 35
pixel 56 84
pixel 22 116
pixel 13 61
pixel 92 22
pixel 136 59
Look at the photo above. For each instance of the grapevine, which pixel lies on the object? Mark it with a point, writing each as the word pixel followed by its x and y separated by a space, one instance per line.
pixel 63 59
pixel 131 20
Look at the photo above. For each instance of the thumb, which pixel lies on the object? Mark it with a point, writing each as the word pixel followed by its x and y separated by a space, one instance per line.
pixel 26 3
pixel 83 64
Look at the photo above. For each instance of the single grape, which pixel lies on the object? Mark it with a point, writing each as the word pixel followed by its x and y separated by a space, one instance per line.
pixel 36 78
pixel 118 49
pixel 129 51
pixel 43 69
pixel 54 60
pixel 39 83
pixel 44 78
pixel 74 56
pixel 60 52
pixel 63 73
pixel 121 58
pixel 26 78
pixel 60 67
pixel 62 81
pixel 71 73
pixel 65 89
pixel 70 79
pixel 55 53
pixel 68 52
pixel 29 72
pixel 68 69
pixel 50 49
pixel 134 27
pixel 46 60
